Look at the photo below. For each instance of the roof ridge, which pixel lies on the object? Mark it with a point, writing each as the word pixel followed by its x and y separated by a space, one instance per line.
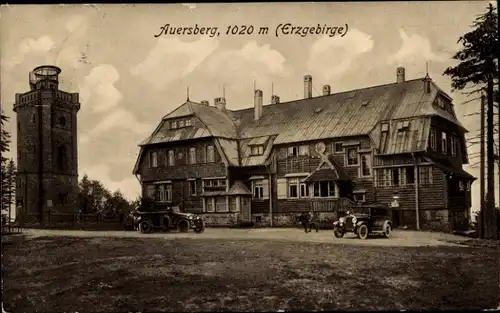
pixel 333 94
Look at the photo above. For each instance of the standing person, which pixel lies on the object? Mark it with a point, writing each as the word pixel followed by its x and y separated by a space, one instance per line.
pixel 304 220
pixel 313 221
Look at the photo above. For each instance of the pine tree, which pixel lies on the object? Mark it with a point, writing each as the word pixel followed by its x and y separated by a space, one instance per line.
pixel 477 69
pixel 11 186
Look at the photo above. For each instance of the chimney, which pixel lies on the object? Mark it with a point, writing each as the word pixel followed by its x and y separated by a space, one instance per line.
pixel 308 85
pixel 275 99
pixel 257 104
pixel 427 84
pixel 220 103
pixel 205 102
pixel 400 75
pixel 326 90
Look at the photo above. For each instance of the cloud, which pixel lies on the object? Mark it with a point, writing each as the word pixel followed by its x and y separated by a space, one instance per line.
pixel 238 68
pixel 98 90
pixel 414 48
pixel 332 57
pixel 171 59
pixel 121 118
pixel 28 46
pixel 130 187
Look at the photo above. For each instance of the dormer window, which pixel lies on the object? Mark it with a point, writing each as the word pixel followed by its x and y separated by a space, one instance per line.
pixel 385 127
pixel 384 136
pixel 257 150
pixel 181 124
pixel 188 122
pixel 292 151
pixel 173 124
pixel 304 150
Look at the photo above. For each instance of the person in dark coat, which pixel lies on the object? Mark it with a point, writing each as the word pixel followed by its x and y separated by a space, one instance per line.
pixel 304 220
pixel 313 221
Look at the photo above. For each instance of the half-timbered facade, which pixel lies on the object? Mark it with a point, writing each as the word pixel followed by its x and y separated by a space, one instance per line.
pixel 399 145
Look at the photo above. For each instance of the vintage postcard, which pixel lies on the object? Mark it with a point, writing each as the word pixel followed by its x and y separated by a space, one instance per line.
pixel 250 156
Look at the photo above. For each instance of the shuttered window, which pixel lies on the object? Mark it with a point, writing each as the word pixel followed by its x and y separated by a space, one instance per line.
pixel 281 188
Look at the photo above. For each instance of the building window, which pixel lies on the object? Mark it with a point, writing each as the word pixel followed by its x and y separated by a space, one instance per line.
pixel 33 116
pixel 220 204
pixel 324 189
pixel 188 122
pixel 454 142
pixel 180 155
pixel 410 175
pixel 192 155
pixel 258 189
pixel 461 185
pixel 192 187
pixel 293 186
pixel 210 154
pixel 171 158
pixel 304 150
pixel 257 150
pixel 384 136
pixel 433 138
pixel 214 184
pixel 359 197
pixel 366 165
pixel 425 175
pixel 153 158
pixel 304 190
pixel 63 197
pixel 352 156
pixel 292 151
pixel 467 185
pixel 163 192
pixel 173 124
pixel 62 121
pixel 395 177
pixel 210 204
pixel 444 143
pixel 338 147
pixel 181 124
pixel 18 126
pixel 61 158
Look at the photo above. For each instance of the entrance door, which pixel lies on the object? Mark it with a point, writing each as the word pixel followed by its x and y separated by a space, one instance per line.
pixel 246 215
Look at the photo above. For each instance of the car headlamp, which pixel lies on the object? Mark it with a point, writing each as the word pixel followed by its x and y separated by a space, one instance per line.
pixel 354 219
pixel 341 220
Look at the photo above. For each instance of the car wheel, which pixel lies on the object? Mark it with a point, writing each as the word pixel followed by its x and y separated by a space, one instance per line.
pixel 183 226
pixel 387 230
pixel 363 232
pixel 145 226
pixel 338 233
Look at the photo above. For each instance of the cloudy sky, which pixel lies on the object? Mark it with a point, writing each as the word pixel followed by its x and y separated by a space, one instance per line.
pixel 128 79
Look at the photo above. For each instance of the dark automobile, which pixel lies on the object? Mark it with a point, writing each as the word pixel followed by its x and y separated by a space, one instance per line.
pixel 171 218
pixel 363 222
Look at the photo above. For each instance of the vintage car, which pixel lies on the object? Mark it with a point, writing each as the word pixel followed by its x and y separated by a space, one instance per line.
pixel 364 221
pixel 171 218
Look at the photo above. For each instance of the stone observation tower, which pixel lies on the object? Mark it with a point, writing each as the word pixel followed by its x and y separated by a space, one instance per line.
pixel 47 155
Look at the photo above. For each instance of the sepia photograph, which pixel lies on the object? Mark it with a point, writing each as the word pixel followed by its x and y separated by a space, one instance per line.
pixel 250 157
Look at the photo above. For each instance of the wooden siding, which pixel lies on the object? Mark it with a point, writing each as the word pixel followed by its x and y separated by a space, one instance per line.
pixel 441 126
pixel 181 169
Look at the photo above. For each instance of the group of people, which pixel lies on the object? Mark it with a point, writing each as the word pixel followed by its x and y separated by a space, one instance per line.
pixel 309 220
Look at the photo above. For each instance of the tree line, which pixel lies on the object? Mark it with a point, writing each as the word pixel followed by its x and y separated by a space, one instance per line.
pixel 477 72
pixel 93 196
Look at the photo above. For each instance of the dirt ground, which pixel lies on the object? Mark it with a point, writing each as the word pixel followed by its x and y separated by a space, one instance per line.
pixel 399 238
pixel 245 270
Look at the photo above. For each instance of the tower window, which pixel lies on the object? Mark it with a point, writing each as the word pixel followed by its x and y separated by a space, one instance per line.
pixel 18 126
pixel 62 121
pixel 61 157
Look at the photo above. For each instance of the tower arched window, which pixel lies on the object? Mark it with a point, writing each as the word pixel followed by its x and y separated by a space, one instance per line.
pixel 61 157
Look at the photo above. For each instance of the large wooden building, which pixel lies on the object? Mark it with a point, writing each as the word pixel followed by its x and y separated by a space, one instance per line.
pixel 399 145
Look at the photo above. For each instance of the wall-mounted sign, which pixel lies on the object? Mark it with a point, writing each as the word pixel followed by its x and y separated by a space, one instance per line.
pixel 395 204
